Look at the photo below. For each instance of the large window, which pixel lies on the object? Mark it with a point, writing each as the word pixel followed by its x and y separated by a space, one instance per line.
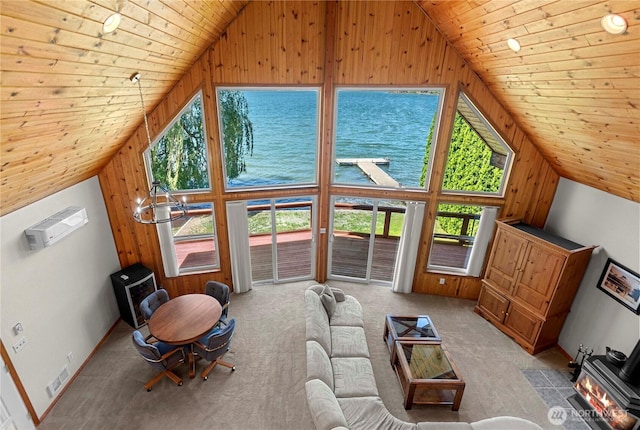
pixel 269 136
pixel 383 136
pixel 178 158
pixel 478 159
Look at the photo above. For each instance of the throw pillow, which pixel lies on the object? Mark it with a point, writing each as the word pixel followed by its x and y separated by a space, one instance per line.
pixel 338 294
pixel 318 288
pixel 328 300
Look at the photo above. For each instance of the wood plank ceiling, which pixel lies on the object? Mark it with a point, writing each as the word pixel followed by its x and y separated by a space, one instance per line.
pixel 573 88
pixel 67 103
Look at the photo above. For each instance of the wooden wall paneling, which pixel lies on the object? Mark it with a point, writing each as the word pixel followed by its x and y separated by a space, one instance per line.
pixel 327 104
pixel 540 208
pixel 269 43
pixel 255 48
pixel 216 171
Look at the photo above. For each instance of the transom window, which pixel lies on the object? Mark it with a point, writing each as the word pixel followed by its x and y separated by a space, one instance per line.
pixel 178 158
pixel 383 136
pixel 269 136
pixel 478 158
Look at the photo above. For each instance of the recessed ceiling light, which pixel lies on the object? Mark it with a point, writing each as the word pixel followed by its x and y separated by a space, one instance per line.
pixel 111 23
pixel 614 24
pixel 513 45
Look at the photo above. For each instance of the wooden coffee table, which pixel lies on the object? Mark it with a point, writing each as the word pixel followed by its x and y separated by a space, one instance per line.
pixel 411 327
pixel 427 374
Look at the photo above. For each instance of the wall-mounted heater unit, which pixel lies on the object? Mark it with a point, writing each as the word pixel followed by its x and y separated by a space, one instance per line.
pixel 50 230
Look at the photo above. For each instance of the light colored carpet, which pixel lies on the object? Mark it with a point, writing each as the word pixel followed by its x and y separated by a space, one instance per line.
pixel 266 392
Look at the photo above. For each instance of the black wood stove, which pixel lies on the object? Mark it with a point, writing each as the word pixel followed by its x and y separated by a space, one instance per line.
pixel 608 397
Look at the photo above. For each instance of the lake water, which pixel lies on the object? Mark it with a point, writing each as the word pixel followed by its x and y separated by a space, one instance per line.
pixel 370 124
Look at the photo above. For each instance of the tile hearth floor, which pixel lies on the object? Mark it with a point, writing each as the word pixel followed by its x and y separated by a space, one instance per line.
pixel 554 386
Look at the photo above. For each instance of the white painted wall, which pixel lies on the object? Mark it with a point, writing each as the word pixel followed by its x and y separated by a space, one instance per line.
pixel 62 294
pixel 593 217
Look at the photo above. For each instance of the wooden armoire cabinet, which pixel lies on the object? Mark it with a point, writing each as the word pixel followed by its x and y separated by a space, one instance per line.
pixel 529 284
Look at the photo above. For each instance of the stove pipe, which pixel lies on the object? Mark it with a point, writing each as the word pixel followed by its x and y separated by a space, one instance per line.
pixel 630 372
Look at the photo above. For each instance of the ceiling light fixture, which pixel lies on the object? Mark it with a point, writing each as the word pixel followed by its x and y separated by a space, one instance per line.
pixel 513 45
pixel 613 24
pixel 160 206
pixel 111 23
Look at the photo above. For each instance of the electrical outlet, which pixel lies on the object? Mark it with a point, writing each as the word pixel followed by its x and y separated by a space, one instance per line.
pixel 441 281
pixel 70 357
pixel 17 329
pixel 20 344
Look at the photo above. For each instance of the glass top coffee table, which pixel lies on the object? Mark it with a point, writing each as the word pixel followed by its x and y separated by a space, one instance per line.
pixel 427 374
pixel 412 327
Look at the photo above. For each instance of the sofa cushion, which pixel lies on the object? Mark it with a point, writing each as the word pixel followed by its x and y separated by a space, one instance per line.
pixel 505 423
pixel 318 364
pixel 323 405
pixel 348 312
pixel 447 426
pixel 348 341
pixel 353 377
pixel 317 322
pixel 328 301
pixel 368 413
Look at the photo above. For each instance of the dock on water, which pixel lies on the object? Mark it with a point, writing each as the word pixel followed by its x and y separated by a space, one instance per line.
pixel 369 167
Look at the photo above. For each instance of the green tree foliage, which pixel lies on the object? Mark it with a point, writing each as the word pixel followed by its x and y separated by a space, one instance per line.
pixel 468 169
pixel 469 161
pixel 179 158
pixel 237 130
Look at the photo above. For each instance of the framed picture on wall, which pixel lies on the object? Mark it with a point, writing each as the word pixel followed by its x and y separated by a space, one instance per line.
pixel 622 284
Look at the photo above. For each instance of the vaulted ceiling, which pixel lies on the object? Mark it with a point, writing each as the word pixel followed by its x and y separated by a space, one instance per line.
pixel 68 103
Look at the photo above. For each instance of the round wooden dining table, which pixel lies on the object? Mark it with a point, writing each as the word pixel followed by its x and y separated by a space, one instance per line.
pixel 184 319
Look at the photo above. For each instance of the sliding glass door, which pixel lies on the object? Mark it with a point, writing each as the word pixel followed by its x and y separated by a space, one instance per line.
pixel 282 239
pixel 364 239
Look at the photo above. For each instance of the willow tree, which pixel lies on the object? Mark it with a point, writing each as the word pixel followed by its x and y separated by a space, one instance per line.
pixel 179 158
pixel 237 131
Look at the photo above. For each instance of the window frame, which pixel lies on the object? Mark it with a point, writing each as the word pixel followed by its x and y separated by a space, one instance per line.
pixel 318 135
pixel 154 142
pixel 434 139
pixel 199 237
pixel 463 271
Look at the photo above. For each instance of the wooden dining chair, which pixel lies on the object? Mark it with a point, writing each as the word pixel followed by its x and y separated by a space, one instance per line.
pixel 213 346
pixel 161 357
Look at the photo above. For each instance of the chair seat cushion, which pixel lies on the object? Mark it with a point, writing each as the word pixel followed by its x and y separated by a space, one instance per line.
pixel 353 377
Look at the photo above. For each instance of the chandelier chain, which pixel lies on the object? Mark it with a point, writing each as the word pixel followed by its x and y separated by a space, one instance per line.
pixel 144 114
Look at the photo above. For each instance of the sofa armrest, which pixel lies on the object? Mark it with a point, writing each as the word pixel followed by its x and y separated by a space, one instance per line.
pixel 505 423
pixel 323 405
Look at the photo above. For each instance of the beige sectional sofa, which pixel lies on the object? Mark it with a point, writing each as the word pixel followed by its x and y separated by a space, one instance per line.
pixel 341 387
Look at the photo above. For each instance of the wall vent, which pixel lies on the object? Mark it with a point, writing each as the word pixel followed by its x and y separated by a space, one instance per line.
pixel 55 385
